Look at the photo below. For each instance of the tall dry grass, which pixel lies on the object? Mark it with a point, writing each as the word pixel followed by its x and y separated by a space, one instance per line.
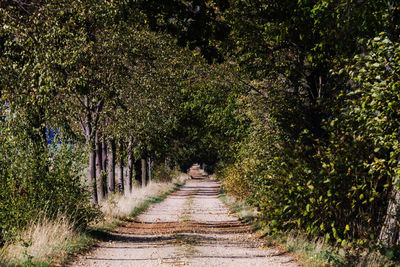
pixel 40 241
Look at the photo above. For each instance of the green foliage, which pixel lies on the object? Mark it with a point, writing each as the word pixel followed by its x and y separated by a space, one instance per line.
pixel 163 174
pixel 337 185
pixel 301 116
pixel 28 193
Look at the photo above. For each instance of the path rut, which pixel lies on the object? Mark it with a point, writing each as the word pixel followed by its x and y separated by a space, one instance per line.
pixel 191 227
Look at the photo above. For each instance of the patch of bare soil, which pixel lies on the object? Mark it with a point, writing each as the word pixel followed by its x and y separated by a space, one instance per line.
pixel 191 227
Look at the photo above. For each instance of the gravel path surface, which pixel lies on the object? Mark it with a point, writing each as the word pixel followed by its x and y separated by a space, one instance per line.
pixel 192 227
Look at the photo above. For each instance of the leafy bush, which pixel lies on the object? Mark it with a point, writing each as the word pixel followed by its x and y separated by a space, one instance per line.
pixel 162 174
pixel 335 185
pixel 27 191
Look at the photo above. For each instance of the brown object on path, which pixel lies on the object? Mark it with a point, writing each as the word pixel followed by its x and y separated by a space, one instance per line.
pixel 191 227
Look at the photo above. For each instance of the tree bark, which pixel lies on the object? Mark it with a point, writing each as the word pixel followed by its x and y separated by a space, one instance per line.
pixel 90 140
pixel 104 165
pixel 166 162
pixel 138 173
pixel 104 153
pixel 149 171
pixel 143 172
pixel 89 125
pixel 389 234
pixel 92 172
pixel 99 168
pixel 111 166
pixel 121 167
pixel 130 165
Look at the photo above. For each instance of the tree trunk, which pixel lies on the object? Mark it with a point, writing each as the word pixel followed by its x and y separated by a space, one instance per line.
pixel 92 172
pixel 130 165
pixel 111 166
pixel 104 153
pixel 91 142
pixel 121 167
pixel 99 169
pixel 390 230
pixel 138 173
pixel 104 164
pixel 149 164
pixel 143 172
pixel 166 162
pixel 89 127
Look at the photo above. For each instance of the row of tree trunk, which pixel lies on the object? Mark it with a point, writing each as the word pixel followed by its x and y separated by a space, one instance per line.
pixel 103 157
pixel 104 163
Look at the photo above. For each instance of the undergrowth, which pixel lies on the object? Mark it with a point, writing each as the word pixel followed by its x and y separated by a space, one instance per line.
pixel 51 241
pixel 313 252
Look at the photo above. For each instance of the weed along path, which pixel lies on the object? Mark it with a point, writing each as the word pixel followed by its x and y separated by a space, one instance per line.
pixel 191 227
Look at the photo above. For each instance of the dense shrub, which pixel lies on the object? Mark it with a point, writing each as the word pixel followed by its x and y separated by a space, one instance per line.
pixel 161 173
pixel 336 185
pixel 26 192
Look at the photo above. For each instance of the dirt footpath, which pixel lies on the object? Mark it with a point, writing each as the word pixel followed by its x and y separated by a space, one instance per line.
pixel 192 227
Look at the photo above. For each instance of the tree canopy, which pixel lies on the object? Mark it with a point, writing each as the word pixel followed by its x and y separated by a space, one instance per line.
pixel 294 105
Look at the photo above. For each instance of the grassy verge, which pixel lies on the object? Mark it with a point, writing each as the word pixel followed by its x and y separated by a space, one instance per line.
pixel 54 242
pixel 44 243
pixel 312 252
